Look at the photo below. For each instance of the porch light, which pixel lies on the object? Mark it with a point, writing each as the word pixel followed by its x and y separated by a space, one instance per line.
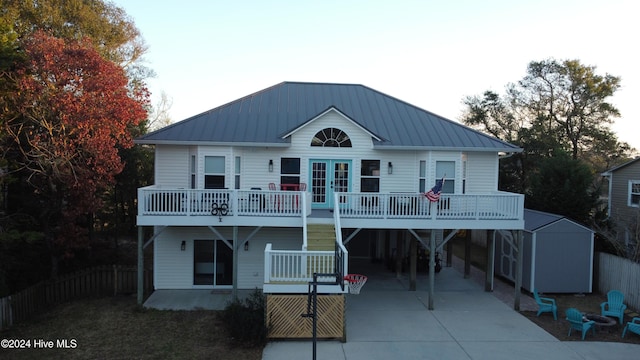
pixel 390 168
pixel 183 245
pixel 270 165
pixel 246 246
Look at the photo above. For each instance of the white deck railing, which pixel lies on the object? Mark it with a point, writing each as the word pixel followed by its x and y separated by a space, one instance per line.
pixel 496 206
pixel 297 267
pixel 200 202
pixel 156 201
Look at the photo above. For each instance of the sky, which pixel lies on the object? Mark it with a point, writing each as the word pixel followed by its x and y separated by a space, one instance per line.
pixel 431 54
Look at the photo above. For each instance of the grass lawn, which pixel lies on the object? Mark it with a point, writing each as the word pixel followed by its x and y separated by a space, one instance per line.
pixel 115 328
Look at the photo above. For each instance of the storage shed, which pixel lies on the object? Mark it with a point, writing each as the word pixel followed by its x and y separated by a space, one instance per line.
pixel 557 255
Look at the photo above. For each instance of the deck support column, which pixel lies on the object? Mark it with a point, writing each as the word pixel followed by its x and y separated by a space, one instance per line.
pixel 519 239
pixel 236 247
pixel 399 253
pixel 140 289
pixel 449 246
pixel 467 254
pixel 413 261
pixel 491 251
pixel 432 267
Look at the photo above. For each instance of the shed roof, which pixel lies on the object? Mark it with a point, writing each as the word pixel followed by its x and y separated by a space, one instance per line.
pixel 535 220
pixel 265 117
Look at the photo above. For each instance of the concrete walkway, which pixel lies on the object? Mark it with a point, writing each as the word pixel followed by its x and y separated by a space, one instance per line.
pixel 388 322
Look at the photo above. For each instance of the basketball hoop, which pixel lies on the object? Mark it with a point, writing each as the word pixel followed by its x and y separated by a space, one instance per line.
pixel 356 281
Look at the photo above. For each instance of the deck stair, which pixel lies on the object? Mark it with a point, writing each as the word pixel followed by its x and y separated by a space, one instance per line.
pixel 321 237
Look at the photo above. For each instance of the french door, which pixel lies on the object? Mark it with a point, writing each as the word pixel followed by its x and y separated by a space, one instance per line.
pixel 327 177
pixel 212 263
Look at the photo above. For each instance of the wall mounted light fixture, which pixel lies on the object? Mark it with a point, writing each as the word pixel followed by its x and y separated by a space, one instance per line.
pixel 270 165
pixel 183 245
pixel 246 246
pixel 390 168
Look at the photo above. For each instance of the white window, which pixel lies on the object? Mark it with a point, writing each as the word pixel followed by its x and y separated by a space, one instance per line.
pixel 422 176
pixel 446 170
pixel 214 171
pixel 238 167
pixel 370 176
pixel 193 171
pixel 634 193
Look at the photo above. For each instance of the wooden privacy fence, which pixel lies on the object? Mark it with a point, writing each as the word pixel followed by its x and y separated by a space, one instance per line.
pixel 96 281
pixel 284 317
pixel 616 273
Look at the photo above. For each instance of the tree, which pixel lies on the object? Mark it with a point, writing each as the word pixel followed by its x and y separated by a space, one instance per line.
pixel 109 29
pixel 159 116
pixel 568 99
pixel 73 111
pixel 561 105
pixel 558 107
pixel 563 186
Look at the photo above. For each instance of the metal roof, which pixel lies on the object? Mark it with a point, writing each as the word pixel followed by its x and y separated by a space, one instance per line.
pixel 264 117
pixel 534 220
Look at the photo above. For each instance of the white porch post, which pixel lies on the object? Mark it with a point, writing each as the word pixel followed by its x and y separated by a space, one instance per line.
pixel 519 239
pixel 432 267
pixel 491 251
pixel 140 265
pixel 236 247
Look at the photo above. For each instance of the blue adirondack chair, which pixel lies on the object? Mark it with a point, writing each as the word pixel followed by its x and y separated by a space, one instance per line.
pixel 633 326
pixel 614 306
pixel 545 304
pixel 577 322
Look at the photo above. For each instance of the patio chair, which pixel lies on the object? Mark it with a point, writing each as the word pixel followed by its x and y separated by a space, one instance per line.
pixel 546 304
pixel 272 186
pixel 633 326
pixel 577 321
pixel 614 306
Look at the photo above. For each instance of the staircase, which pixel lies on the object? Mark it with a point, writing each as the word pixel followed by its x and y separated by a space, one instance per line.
pixel 321 237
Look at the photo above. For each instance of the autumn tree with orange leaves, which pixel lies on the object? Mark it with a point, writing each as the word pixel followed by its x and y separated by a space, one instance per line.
pixel 72 112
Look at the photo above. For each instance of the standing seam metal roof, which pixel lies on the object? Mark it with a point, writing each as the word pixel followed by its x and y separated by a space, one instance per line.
pixel 263 117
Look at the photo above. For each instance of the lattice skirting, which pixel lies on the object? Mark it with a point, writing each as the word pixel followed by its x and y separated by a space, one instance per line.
pixel 284 318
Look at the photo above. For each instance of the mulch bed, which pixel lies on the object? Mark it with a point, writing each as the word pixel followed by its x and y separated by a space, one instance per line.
pixel 586 303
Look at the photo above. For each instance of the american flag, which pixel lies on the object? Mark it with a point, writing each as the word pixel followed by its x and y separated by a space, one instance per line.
pixel 434 194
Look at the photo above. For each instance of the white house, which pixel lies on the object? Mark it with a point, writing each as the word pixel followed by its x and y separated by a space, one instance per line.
pixel 247 194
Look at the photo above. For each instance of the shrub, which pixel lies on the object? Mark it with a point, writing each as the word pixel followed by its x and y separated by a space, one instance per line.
pixel 244 319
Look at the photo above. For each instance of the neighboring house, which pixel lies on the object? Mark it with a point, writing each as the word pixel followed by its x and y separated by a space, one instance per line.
pixel 624 199
pixel 356 159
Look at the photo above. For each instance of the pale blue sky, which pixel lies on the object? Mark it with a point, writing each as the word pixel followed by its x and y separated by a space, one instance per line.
pixel 429 53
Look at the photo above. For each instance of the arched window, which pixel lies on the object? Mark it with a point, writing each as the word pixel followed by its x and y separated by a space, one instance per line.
pixel 331 137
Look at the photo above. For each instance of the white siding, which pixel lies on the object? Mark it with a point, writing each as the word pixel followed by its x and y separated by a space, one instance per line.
pixel 172 162
pixel 172 166
pixel 482 172
pixel 174 267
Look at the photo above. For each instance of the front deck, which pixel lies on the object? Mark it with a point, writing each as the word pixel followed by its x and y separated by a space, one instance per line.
pixel 197 207
pixel 289 271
